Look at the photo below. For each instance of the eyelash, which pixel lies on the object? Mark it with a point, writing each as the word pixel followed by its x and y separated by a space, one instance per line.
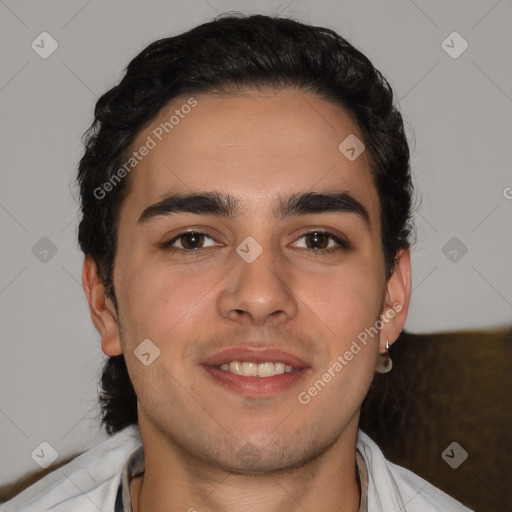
pixel 343 244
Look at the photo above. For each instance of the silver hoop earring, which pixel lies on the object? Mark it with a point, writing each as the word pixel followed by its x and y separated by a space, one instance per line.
pixel 384 363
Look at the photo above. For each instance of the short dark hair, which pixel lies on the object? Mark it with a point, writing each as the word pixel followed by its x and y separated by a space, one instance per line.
pixel 229 54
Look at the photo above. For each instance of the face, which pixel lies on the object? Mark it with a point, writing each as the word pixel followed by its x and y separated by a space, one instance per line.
pixel 257 282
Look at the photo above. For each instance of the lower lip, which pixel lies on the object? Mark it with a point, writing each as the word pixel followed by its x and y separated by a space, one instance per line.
pixel 257 386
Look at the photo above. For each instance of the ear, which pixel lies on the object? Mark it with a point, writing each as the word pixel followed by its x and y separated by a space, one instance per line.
pixel 103 312
pixel 396 304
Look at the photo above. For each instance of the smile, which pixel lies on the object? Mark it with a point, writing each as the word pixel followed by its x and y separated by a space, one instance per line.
pixel 249 369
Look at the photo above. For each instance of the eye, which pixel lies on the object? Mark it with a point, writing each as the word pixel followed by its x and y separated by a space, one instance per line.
pixel 317 242
pixel 189 241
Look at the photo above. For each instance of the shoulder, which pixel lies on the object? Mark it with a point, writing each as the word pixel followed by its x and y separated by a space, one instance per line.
pixel 88 482
pixel 392 487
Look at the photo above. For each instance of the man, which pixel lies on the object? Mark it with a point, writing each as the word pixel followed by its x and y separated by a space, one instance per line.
pixel 246 201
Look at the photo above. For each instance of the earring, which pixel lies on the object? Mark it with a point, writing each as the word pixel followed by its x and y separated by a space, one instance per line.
pixel 384 363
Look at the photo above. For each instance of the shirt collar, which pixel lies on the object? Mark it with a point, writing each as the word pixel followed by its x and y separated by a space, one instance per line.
pixel 136 465
pixel 363 482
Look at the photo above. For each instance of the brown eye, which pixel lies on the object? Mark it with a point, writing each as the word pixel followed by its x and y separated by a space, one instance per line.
pixel 189 241
pixel 318 242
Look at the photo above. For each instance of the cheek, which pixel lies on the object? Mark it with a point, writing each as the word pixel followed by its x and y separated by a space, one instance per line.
pixel 159 301
pixel 156 306
pixel 346 301
pixel 345 306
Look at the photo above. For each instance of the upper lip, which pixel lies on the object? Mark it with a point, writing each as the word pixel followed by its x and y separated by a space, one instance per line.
pixel 254 355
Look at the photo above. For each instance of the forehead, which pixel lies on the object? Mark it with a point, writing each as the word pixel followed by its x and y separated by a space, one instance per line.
pixel 256 145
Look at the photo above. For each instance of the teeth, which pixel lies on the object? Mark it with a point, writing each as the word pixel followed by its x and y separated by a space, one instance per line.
pixel 266 370
pixel 250 369
pixel 279 368
pixel 246 369
pixel 234 367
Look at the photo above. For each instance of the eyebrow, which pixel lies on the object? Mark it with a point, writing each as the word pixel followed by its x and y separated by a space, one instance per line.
pixel 229 206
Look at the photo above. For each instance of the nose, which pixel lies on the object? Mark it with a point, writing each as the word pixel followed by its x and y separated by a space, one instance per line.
pixel 260 290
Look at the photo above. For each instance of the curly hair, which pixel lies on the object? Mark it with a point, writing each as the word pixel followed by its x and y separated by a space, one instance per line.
pixel 233 53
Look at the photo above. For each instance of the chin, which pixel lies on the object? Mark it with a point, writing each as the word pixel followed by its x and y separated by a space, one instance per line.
pixel 268 453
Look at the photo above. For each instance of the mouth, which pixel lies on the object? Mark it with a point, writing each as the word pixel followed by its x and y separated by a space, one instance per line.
pixel 255 372
pixel 251 369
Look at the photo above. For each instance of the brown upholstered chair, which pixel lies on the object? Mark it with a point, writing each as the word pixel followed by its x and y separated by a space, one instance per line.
pixel 445 388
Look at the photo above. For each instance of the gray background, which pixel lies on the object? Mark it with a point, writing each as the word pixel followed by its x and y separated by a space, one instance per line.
pixel 458 117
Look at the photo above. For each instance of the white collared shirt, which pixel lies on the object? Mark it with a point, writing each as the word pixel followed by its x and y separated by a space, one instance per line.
pixel 99 478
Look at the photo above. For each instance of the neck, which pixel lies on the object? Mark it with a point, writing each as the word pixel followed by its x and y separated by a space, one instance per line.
pixel 178 481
